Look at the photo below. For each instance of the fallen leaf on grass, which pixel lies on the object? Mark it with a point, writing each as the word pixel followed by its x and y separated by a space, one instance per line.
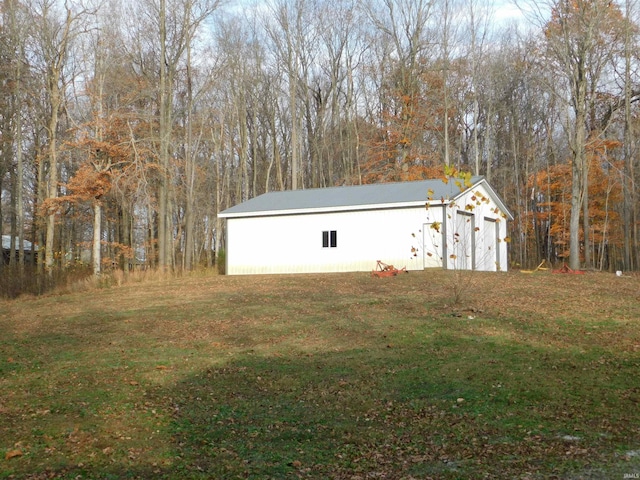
pixel 12 454
pixel 162 367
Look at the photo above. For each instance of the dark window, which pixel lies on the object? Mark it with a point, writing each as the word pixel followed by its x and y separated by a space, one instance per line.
pixel 329 239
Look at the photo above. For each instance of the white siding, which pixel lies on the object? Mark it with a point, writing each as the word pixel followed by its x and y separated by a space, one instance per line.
pixel 293 243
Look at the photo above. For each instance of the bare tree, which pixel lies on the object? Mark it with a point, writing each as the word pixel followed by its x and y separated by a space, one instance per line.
pixel 447 34
pixel 478 21
pixel 176 23
pixel 406 84
pixel 14 73
pixel 630 148
pixel 54 32
pixel 289 29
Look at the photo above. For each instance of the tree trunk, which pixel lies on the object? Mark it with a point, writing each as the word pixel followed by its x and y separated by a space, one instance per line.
pixel 189 157
pixel 578 168
pixel 97 230
pixel 164 218
pixel 56 46
pixel 20 169
pixel 52 189
pixel 586 224
pixel 294 150
pixel 628 193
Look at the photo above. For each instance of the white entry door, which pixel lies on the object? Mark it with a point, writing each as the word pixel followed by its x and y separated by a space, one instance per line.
pixel 489 253
pixel 463 242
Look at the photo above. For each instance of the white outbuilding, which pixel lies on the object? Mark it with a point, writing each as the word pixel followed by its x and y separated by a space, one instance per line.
pixel 413 225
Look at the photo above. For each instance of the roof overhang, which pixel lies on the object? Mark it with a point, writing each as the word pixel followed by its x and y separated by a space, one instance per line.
pixel 372 206
pixel 311 211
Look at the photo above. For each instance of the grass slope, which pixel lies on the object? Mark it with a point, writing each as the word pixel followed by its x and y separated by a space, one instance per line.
pixel 325 376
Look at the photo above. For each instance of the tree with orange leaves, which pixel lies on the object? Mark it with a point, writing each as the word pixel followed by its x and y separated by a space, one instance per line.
pixel 399 149
pixel 400 145
pixel 549 219
pixel 93 180
pixel 581 39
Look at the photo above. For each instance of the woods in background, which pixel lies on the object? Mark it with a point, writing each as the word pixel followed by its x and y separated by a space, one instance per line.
pixel 125 127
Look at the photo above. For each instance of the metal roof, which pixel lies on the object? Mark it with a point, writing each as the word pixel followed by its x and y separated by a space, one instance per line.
pixel 359 197
pixel 6 243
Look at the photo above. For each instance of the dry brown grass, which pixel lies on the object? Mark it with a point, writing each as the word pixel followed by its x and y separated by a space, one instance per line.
pixel 134 380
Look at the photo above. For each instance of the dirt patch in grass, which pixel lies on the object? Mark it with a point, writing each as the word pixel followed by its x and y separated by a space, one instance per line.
pixel 324 376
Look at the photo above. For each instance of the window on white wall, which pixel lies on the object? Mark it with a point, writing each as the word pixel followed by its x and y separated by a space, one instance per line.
pixel 329 239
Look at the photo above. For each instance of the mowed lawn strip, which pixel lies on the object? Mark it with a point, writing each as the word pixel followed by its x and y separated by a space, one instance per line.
pixel 325 376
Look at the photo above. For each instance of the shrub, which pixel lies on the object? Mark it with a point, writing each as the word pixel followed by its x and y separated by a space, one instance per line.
pixel 221 262
pixel 16 280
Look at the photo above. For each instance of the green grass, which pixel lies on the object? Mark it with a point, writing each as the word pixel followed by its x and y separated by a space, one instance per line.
pixel 325 376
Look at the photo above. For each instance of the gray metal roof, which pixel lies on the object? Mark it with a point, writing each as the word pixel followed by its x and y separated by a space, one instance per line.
pixel 350 197
pixel 6 243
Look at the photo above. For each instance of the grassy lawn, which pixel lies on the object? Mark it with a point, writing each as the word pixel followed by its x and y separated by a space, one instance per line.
pixel 338 376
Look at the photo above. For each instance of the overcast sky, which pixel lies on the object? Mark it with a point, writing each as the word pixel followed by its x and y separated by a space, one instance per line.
pixel 507 10
pixel 527 12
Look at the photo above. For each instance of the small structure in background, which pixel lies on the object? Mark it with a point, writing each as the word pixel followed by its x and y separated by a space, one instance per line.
pixel 30 250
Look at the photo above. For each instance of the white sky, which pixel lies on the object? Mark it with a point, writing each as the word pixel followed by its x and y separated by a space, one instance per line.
pixel 506 10
pixel 511 11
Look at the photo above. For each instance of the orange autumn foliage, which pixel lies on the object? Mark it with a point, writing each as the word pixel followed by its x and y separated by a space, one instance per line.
pixel 88 184
pixel 550 192
pixel 399 148
pixel 107 162
pixel 569 19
